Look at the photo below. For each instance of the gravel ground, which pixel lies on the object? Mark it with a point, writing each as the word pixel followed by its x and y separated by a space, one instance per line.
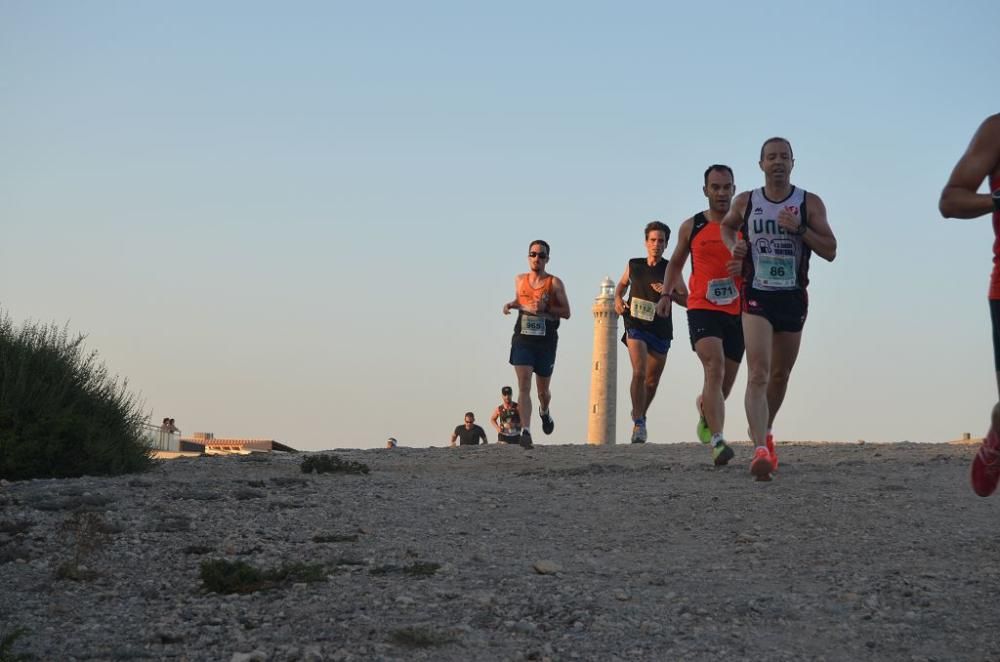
pixel 853 552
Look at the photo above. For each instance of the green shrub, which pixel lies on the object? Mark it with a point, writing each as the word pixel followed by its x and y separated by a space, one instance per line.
pixel 221 576
pixel 417 569
pixel 322 464
pixel 61 413
pixel 7 641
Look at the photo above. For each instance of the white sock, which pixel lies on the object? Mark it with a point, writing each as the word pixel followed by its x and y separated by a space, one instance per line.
pixel 717 439
pixel 543 412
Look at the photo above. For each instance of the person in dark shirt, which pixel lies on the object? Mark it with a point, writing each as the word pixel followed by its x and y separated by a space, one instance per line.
pixel 469 434
pixel 647 334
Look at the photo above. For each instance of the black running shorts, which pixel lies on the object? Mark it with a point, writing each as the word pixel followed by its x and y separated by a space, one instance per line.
pixel 785 309
pixel 717 324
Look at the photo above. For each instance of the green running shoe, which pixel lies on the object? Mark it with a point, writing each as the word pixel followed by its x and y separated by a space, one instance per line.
pixel 721 454
pixel 704 434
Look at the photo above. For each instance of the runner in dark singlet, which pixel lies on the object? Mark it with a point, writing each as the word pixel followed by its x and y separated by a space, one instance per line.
pixel 647 334
pixel 961 199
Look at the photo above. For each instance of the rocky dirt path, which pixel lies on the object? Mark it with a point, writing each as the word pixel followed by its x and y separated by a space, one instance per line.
pixel 854 552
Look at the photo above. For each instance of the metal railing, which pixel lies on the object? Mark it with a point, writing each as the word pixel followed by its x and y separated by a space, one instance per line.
pixel 160 439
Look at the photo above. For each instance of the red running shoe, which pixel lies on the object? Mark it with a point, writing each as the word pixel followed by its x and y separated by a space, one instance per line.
pixel 770 449
pixel 986 465
pixel 762 463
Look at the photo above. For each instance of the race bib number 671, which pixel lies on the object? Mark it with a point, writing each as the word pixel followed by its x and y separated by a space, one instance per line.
pixel 721 291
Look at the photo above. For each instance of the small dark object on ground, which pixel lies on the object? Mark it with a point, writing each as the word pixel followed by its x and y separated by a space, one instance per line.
pixel 417 569
pixel 336 538
pixel 14 527
pixel 322 464
pixel 419 637
pixel 7 641
pixel 221 576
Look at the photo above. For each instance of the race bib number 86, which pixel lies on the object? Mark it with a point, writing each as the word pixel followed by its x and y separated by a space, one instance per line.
pixel 775 271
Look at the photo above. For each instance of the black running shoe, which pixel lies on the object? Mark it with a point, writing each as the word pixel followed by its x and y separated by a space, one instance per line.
pixel 722 454
pixel 526 439
pixel 548 425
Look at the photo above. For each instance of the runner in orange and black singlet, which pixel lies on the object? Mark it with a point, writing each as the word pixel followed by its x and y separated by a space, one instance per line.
pixel 713 305
pixel 540 301
pixel 961 199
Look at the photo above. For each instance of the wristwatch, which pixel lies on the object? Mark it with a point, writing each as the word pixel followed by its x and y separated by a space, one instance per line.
pixel 996 200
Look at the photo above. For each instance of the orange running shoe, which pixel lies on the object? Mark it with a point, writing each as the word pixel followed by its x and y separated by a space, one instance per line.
pixel 986 465
pixel 770 449
pixel 762 463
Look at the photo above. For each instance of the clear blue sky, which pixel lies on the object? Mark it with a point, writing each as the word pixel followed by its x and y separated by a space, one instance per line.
pixel 300 220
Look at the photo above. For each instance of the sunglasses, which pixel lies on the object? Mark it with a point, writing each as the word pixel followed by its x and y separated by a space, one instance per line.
pixel 540 256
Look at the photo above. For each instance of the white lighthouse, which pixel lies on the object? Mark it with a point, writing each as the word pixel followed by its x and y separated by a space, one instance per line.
pixel 604 371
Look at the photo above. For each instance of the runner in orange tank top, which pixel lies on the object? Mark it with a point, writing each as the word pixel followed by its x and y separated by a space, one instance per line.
pixel 713 305
pixel 961 199
pixel 540 299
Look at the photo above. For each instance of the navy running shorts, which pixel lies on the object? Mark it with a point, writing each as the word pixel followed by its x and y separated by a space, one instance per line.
pixel 654 343
pixel 541 358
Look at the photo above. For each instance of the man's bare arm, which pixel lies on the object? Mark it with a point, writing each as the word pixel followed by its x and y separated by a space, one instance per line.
pixel 673 273
pixel 560 302
pixel 513 304
pixel 621 288
pixel 818 235
pixel 960 198
pixel 733 219
pixel 680 256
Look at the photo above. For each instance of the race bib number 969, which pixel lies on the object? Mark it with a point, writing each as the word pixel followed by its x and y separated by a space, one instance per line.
pixel 532 326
